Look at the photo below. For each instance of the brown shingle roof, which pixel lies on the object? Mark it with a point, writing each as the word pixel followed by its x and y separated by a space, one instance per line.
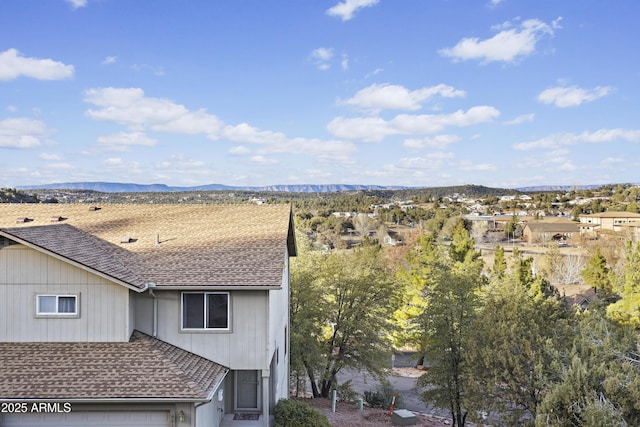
pixel 143 368
pixel 169 245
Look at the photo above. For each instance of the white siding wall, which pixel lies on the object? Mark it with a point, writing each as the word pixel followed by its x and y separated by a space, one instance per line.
pixel 24 272
pixel 243 347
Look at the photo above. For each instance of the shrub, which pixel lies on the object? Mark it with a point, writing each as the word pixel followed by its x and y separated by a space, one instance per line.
pixel 346 393
pixel 295 413
pixel 383 396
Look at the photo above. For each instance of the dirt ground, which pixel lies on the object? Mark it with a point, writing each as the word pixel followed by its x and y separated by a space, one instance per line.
pixel 348 415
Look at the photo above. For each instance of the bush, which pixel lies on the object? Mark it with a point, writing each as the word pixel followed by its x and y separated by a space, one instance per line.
pixel 295 413
pixel 346 393
pixel 383 396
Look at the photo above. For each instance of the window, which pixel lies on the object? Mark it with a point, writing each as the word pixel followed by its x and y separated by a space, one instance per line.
pixel 57 305
pixel 205 310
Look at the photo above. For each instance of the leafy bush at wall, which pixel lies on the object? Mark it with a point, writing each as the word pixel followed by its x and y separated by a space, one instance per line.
pixel 295 413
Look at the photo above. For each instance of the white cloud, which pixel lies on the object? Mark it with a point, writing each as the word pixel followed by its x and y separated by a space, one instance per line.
pixel 131 108
pixel 524 118
pixel 11 108
pixel 22 133
pixel 345 61
pixel 123 141
pixel 494 3
pixel 14 65
pixel 76 4
pixel 180 163
pixel 613 160
pixel 321 57
pixel 506 46
pixel 564 139
pixel 439 141
pixel 239 150
pixel 467 165
pixel 572 96
pixel 346 9
pixel 395 97
pixel 49 157
pixel 375 129
pixel 262 160
pixel 432 160
pixel 60 166
pixel 109 60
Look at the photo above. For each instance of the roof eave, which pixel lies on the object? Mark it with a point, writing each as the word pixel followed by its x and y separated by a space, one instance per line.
pixel 73 262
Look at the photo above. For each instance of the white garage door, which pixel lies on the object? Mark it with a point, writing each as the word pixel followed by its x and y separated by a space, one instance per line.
pixel 87 419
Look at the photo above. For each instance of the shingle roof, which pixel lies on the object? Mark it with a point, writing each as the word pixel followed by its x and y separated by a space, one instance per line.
pixel 553 227
pixel 169 245
pixel 143 368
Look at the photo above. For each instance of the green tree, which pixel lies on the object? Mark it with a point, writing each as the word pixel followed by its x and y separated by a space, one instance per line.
pixel 597 274
pixel 343 305
pixel 499 263
pixel 627 309
pixel 509 354
pixel 451 300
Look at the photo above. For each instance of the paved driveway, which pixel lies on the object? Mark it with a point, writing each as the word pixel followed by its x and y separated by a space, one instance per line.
pixel 403 382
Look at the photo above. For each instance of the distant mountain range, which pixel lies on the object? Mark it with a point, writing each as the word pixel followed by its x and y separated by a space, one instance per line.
pixel 116 187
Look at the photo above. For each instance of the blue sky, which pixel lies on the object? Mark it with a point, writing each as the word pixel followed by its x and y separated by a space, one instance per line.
pixel 503 93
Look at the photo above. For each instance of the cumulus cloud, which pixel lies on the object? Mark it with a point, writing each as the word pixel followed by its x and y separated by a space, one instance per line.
pixel 439 141
pixel 123 141
pixel 601 136
pixel 572 96
pixel 76 4
pixel 375 129
pixel 131 108
pixel 22 133
pixel 466 165
pixel 506 46
pixel 49 157
pixel 14 65
pixel 395 97
pixel 346 9
pixel 109 60
pixel 322 57
pixel 524 118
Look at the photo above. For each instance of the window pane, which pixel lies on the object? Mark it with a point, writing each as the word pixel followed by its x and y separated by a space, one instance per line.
pixel 193 311
pixel 218 305
pixel 46 304
pixel 66 304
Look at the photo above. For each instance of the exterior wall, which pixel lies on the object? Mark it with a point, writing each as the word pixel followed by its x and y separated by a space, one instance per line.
pixel 142 312
pixel 279 334
pixel 24 272
pixel 244 346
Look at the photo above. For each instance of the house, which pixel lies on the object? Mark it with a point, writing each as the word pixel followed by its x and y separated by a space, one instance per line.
pixel 592 225
pixel 146 315
pixel 549 230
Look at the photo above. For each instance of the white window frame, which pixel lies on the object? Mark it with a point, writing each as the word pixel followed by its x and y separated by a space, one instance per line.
pixel 57 313
pixel 206 310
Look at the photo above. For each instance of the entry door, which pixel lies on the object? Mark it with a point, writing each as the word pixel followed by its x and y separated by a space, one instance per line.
pixel 247 390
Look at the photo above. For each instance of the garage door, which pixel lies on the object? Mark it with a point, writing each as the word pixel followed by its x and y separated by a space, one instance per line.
pixel 86 419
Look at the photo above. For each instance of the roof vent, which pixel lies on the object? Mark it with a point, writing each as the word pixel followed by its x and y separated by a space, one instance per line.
pixel 57 218
pixel 94 208
pixel 127 239
pixel 23 219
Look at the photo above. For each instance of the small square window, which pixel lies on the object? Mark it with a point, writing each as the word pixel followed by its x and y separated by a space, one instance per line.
pixel 57 305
